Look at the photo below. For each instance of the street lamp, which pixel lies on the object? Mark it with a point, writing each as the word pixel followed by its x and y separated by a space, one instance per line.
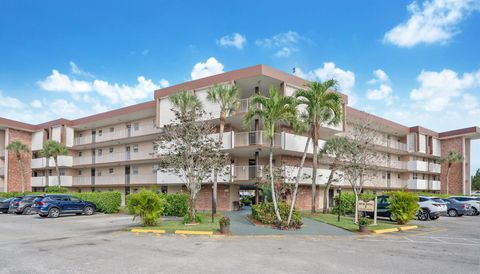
pixel 339 191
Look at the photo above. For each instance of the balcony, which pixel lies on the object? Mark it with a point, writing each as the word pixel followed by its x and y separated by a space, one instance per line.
pixel 2 153
pixel 396 145
pixel 256 138
pixel 113 157
pixel 417 184
pixel 2 171
pixel 63 161
pixel 245 106
pixel 116 135
pixel 434 168
pixel 398 164
pixel 41 181
pixel 417 166
pixel 245 173
pixel 143 179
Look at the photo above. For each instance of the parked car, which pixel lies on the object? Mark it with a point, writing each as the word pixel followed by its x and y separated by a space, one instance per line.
pixel 474 202
pixel 430 209
pixel 12 207
pixel 54 205
pixel 5 204
pixel 382 208
pixel 455 208
pixel 24 206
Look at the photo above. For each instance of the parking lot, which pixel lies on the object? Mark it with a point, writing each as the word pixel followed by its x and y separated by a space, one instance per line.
pixel 100 243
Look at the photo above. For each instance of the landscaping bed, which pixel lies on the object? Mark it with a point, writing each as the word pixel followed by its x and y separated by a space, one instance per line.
pixel 170 226
pixel 346 222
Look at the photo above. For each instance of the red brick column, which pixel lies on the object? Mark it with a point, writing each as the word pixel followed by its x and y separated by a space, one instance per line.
pixel 14 183
pixel 455 185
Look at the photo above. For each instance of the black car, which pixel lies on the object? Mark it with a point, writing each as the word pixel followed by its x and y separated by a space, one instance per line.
pixel 12 207
pixel 382 208
pixel 24 206
pixel 5 204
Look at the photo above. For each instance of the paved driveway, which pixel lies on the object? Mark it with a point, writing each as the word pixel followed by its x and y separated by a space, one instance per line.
pixel 98 244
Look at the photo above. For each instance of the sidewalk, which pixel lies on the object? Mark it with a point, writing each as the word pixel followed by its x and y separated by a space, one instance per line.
pixel 241 226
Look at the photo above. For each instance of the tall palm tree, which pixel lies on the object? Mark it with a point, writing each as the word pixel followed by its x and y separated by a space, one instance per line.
pixel 228 99
pixel 274 111
pixel 451 158
pixel 53 149
pixel 322 107
pixel 185 102
pixel 18 149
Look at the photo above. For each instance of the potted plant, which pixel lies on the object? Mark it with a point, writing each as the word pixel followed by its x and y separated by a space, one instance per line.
pixel 224 225
pixel 363 224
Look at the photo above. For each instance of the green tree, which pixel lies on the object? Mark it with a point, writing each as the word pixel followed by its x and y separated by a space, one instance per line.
pixel 322 107
pixel 451 158
pixel 404 206
pixel 53 149
pixel 186 102
pixel 19 149
pixel 476 180
pixel 228 99
pixel 147 205
pixel 274 110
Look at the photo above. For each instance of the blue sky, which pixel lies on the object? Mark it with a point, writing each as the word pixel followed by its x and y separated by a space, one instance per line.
pixel 415 62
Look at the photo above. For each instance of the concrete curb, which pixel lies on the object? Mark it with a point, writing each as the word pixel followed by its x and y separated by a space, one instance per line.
pixel 388 230
pixel 194 232
pixel 409 227
pixel 156 231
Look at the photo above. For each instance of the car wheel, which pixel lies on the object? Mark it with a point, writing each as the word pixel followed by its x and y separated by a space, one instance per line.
pixel 434 217
pixel 452 213
pixel 392 217
pixel 53 212
pixel 423 215
pixel 475 212
pixel 18 213
pixel 88 210
pixel 27 211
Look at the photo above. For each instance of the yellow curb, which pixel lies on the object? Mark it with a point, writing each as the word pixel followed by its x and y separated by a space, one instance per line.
pixel 194 232
pixel 157 231
pixel 387 230
pixel 408 227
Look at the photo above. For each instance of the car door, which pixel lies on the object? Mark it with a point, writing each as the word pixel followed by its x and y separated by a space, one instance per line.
pixel 382 206
pixel 64 203
pixel 76 204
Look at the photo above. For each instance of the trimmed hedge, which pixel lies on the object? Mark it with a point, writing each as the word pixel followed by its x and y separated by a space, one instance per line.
pixel 265 214
pixel 106 202
pixel 177 204
pixel 348 202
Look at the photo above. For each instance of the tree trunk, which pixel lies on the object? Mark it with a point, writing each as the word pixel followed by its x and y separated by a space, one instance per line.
pixel 22 173
pixel 327 189
pixel 448 173
pixel 57 170
pixel 314 174
pixel 191 206
pixel 356 204
pixel 297 180
pixel 47 178
pixel 215 175
pixel 272 182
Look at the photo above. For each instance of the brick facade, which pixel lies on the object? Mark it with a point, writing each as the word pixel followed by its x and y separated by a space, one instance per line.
pixel 14 182
pixel 224 198
pixel 455 185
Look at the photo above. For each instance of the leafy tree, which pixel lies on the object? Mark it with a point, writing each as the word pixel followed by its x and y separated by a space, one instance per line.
pixel 147 205
pixel 186 102
pixel 322 107
pixel 476 180
pixel 19 149
pixel 451 158
pixel 274 110
pixel 228 99
pixel 53 149
pixel 404 205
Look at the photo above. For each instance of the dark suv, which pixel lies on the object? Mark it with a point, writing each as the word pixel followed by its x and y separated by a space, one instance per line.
pixel 22 206
pixel 382 208
pixel 53 205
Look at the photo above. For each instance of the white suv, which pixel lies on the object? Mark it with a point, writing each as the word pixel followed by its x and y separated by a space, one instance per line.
pixel 474 202
pixel 430 209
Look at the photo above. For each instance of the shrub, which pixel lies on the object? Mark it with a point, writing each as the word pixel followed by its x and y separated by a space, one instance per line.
pixel 246 200
pixel 177 204
pixel 106 202
pixel 363 221
pixel 188 220
pixel 224 220
pixel 348 202
pixel 56 189
pixel 403 205
pixel 265 214
pixel 10 194
pixel 147 205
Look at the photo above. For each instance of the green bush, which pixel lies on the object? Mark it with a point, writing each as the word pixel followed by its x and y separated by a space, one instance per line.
pixel 265 214
pixel 106 202
pixel 404 205
pixel 246 200
pixel 56 189
pixel 348 202
pixel 188 220
pixel 10 194
pixel 177 204
pixel 147 205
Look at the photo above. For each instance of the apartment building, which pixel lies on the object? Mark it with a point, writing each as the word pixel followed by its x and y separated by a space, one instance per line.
pixel 114 150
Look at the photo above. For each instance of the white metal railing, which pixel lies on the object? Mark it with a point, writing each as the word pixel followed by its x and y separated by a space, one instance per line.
pixel 2 152
pixel 144 129
pixel 256 138
pixel 432 167
pixel 63 161
pixel 2 171
pixel 82 180
pixel 434 185
pixel 241 173
pixel 113 157
pixel 398 164
pixel 417 166
pixel 397 145
pixel 41 181
pixel 417 184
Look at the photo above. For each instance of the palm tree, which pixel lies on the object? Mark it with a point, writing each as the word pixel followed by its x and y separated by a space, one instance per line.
pixel 53 149
pixel 451 158
pixel 322 106
pixel 18 148
pixel 185 102
pixel 228 99
pixel 274 111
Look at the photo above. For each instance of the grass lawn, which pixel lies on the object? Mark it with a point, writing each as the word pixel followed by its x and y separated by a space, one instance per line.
pixel 347 222
pixel 206 225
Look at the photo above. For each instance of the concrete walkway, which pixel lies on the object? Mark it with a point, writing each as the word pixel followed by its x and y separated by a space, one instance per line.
pixel 240 225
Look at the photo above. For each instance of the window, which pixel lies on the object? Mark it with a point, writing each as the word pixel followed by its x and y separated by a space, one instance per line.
pixel 79 154
pixel 99 173
pixel 135 148
pixel 74 199
pixel 398 176
pixel 100 152
pixel 415 176
pixel 79 172
pixel 110 170
pixel 100 132
pixel 136 126
pixel 80 135
pixel 110 150
pixel 155 168
pixel 388 175
pixel 112 129
pixel 164 189
pixel 135 170
pixel 155 147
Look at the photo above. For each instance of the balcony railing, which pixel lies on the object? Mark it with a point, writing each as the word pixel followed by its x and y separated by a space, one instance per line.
pixel 245 106
pixel 2 171
pixel 117 134
pixel 256 138
pixel 242 173
pixel 417 166
pixel 435 168
pixel 63 161
pixel 398 164
pixel 41 181
pixel 113 157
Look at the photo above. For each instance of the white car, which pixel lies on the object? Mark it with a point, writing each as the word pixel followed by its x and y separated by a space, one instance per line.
pixel 430 209
pixel 474 202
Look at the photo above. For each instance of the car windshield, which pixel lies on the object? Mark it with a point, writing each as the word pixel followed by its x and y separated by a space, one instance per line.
pixel 439 200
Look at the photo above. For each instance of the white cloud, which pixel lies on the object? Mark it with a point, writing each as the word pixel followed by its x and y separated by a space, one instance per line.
pixel 10 102
pixel 77 71
pixel 209 68
pixel 435 21
pixel 345 78
pixel 235 40
pixel 284 43
pixel 62 83
pixel 437 89
pixel 384 91
pixel 380 77
pixel 125 94
pixel 36 103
